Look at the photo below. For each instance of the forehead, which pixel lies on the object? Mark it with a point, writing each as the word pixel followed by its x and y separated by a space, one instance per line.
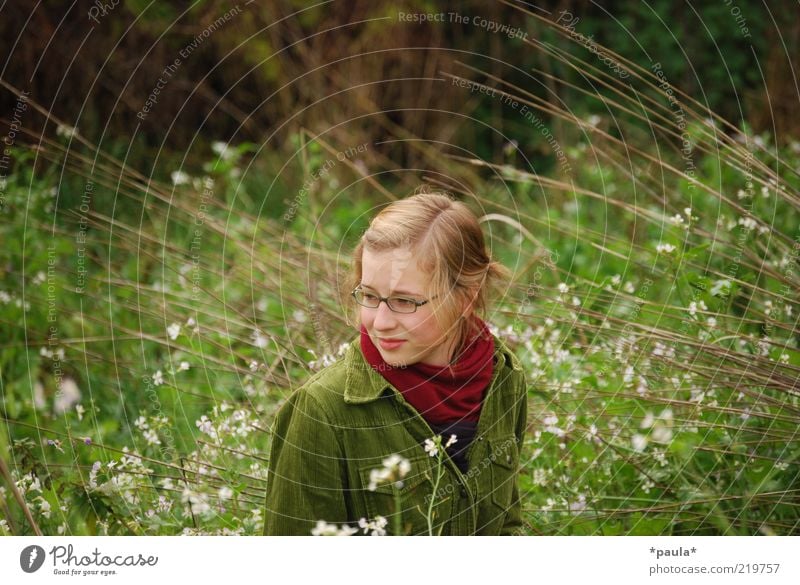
pixel 393 271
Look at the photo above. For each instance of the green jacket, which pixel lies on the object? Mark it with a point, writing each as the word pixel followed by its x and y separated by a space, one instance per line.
pixel 347 418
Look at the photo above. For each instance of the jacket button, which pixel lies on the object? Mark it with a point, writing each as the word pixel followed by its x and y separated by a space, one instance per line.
pixel 508 458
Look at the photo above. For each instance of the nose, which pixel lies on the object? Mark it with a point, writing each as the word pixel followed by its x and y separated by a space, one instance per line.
pixel 384 318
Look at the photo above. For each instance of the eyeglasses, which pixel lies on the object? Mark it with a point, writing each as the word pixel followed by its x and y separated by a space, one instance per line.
pixel 395 304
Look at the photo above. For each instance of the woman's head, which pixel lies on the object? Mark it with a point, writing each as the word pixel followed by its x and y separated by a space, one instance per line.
pixel 427 247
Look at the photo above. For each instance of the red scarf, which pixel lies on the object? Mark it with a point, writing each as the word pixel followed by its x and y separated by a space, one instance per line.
pixel 441 394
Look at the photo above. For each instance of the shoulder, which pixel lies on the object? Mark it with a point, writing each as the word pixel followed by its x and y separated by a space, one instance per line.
pixel 509 359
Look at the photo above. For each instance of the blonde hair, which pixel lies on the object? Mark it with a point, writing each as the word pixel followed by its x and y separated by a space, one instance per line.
pixel 446 240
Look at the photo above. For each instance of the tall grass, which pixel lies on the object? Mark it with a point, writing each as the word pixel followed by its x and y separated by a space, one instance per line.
pixel 654 305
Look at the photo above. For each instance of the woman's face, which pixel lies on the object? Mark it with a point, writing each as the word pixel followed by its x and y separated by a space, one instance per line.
pixel 417 336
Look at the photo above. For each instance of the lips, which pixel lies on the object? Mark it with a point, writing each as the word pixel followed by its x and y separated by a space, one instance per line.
pixel 389 344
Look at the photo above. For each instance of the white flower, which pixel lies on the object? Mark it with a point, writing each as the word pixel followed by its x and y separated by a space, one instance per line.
pixel 431 448
pixel 164 504
pixel 259 340
pixel 179 178
pixel 662 350
pixel 93 474
pixel 324 529
pixel 225 493
pixel 451 441
pixel 540 477
pixel 639 442
pixel 68 394
pixel 662 434
pixel 398 464
pixel 299 316
pixel 720 287
pixel 205 425
pixel 79 410
pixel 394 469
pixel 141 423
pixel 197 501
pixel 692 308
pixel 665 248
pixel 377 526
pixel 183 366
pixel 563 288
pixel 688 212
pixel 151 437
pixel 224 151
pixel 44 507
pixel 158 378
pixel 30 483
pixel 627 377
pixel 376 477
pixel 550 423
pixel 579 506
pixel 65 131
pixel 747 223
pixel 173 331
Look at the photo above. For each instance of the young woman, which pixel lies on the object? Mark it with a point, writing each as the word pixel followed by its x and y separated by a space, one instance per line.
pixel 357 446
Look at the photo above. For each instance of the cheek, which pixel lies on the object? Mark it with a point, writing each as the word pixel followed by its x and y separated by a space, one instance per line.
pixel 366 318
pixel 423 328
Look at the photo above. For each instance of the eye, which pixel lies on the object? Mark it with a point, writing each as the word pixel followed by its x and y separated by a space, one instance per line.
pixel 369 297
pixel 403 303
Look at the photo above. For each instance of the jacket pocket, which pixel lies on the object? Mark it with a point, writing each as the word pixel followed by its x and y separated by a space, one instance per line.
pixel 504 455
pixel 415 495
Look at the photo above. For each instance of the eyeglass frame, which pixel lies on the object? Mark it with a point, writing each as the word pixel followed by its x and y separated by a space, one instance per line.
pixel 417 304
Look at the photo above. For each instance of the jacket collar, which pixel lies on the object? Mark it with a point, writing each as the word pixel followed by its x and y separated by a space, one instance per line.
pixel 364 384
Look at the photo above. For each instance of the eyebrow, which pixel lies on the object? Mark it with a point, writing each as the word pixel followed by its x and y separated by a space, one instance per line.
pixel 396 292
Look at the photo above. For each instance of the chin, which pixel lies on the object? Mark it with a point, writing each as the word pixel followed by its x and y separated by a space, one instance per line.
pixel 394 362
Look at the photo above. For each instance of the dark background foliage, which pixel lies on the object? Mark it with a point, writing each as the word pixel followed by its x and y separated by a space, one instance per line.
pixel 269 69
